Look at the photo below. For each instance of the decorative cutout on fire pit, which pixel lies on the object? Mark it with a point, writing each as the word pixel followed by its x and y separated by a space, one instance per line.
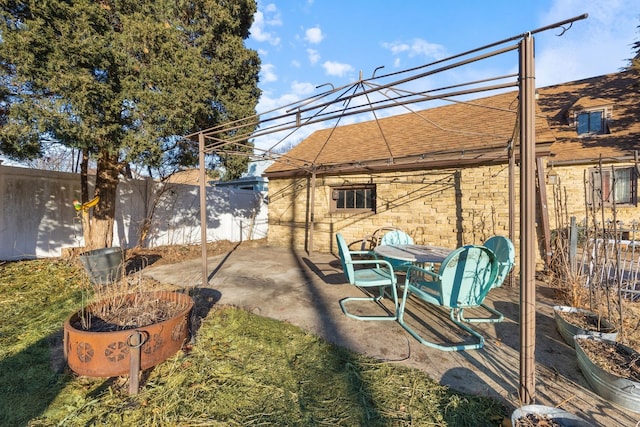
pixel 85 352
pixel 116 351
pixel 154 344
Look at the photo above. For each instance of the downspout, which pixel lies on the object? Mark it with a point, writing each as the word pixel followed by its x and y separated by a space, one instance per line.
pixel 512 197
pixel 544 212
pixel 312 209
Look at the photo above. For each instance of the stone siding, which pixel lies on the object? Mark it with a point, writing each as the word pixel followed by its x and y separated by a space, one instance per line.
pixel 568 197
pixel 447 207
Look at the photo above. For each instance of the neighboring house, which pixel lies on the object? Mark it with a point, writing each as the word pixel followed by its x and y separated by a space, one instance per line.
pixel 187 176
pixel 443 174
pixel 596 121
pixel 251 180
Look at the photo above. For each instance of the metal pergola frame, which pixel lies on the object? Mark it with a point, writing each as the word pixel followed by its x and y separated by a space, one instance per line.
pixel 317 109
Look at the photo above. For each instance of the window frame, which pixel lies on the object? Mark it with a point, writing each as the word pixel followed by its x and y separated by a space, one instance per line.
pixel 630 195
pixel 336 197
pixel 603 127
pixel 592 125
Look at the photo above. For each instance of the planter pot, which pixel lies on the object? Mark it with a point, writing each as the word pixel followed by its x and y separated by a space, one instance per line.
pixel 107 354
pixel 103 265
pixel 606 329
pixel 622 391
pixel 564 418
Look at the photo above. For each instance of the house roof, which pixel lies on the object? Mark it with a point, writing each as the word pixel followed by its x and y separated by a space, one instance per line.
pixel 474 132
pixel 477 131
pixel 618 92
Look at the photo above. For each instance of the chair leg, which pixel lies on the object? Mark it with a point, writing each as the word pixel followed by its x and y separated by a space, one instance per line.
pixel 442 347
pixel 499 317
pixel 394 298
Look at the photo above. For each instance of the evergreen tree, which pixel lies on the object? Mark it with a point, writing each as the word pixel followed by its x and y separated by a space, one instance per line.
pixel 122 80
pixel 635 61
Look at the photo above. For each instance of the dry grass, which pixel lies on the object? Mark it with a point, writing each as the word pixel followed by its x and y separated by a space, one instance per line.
pixel 241 370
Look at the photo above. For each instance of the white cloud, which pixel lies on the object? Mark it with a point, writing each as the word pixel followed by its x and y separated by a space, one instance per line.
pixel 600 44
pixel 302 88
pixel 417 47
pixel 338 69
pixel 262 21
pixel 313 35
pixel 268 73
pixel 313 56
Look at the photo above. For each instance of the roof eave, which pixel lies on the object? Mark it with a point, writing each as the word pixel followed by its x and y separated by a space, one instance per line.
pixel 426 161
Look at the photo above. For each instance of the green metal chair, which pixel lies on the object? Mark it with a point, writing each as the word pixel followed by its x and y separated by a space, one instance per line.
pixel 505 253
pixel 395 236
pixel 380 275
pixel 463 281
pixel 372 240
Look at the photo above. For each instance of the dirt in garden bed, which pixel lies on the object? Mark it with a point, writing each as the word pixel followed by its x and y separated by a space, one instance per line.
pixel 613 358
pixel 535 420
pixel 586 321
pixel 120 314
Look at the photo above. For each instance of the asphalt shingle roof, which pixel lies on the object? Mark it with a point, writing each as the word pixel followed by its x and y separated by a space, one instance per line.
pixel 481 124
pixel 620 91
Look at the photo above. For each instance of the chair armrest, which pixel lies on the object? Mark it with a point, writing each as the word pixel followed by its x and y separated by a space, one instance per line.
pixel 367 240
pixel 423 271
pixel 373 261
pixel 421 286
pixel 360 252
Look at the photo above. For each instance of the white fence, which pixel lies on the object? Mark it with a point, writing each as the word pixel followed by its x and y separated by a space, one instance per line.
pixel 37 217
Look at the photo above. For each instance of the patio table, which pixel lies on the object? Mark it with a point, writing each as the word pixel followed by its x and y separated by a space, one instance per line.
pixel 418 254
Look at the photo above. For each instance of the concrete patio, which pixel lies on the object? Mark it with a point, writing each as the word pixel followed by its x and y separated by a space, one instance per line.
pixel 304 289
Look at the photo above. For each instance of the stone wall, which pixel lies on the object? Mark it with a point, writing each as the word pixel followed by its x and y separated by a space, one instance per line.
pixel 568 196
pixel 447 207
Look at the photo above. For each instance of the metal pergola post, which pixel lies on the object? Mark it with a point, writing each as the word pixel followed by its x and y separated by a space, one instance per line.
pixel 527 221
pixel 203 209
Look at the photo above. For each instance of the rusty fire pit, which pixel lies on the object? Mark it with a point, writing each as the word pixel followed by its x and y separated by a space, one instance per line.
pixel 108 354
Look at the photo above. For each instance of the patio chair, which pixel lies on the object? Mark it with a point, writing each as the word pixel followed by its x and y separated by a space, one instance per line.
pixel 397 237
pixel 380 275
pixel 372 240
pixel 463 281
pixel 505 254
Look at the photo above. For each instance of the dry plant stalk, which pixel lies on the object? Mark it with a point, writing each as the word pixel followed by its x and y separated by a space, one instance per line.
pixel 125 304
pixel 594 280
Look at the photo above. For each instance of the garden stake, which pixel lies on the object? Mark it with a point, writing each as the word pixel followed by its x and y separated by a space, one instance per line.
pixel 134 342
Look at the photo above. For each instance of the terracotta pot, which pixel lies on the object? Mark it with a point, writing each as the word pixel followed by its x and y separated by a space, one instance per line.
pixel 568 330
pixel 106 354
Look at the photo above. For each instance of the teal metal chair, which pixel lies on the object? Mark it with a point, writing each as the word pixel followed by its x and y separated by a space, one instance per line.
pixel 372 240
pixel 505 253
pixel 397 237
pixel 463 281
pixel 379 275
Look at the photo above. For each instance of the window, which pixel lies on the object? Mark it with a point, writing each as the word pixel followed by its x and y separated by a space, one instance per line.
pixel 620 184
pixel 591 122
pixel 356 197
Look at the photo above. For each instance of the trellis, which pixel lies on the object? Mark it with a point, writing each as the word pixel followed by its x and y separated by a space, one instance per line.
pixel 378 93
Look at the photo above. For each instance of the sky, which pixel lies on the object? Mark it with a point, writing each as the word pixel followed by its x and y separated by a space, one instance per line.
pixel 308 46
